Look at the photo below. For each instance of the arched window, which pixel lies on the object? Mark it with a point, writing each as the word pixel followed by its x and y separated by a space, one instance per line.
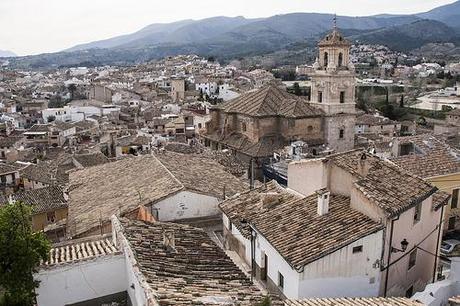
pixel 326 59
pixel 340 59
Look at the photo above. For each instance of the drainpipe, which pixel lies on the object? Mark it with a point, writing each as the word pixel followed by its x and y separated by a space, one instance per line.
pixel 388 259
pixel 252 254
pixel 437 244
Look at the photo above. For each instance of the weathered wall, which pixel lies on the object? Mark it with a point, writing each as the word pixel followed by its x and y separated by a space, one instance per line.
pixel 185 205
pixel 343 273
pixel 71 283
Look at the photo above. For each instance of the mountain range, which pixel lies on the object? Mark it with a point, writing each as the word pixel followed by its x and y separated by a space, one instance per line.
pixel 6 53
pixel 234 37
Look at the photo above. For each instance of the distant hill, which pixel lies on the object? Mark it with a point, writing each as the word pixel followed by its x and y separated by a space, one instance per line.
pixel 234 37
pixel 6 53
pixel 448 14
pixel 184 31
pixel 410 36
pixel 224 30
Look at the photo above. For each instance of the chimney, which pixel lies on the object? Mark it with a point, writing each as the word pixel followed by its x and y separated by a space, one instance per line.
pixel 168 239
pixel 363 165
pixel 323 201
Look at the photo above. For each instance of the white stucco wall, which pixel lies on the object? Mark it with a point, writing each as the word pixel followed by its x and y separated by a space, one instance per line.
pixel 423 234
pixel 343 273
pixel 77 282
pixel 276 263
pixel 185 205
pixel 237 234
pixel 307 176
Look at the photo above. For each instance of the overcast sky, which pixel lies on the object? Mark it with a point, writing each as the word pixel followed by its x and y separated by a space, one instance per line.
pixel 37 26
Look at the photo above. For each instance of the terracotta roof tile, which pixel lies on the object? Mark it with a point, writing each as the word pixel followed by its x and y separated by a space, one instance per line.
pixel 194 271
pixel 373 301
pixel 271 101
pixel 292 225
pixel 431 157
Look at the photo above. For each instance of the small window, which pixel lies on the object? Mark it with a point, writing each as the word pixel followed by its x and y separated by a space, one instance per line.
pixel 454 200
pixel 291 123
pixel 417 212
pixel 230 225
pixel 410 292
pixel 243 126
pixel 199 125
pixel 341 133
pixel 51 217
pixel 412 259
pixel 310 128
pixel 320 96
pixel 342 97
pixel 357 249
pixel 280 280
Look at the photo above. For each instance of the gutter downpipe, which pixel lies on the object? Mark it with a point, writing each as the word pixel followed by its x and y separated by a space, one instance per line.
pixel 389 258
pixel 437 244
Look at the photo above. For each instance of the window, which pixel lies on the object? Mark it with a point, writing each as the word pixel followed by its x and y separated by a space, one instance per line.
pixel 291 123
pixel 230 225
pixel 410 292
pixel 243 126
pixel 51 217
pixel 326 59
pixel 341 133
pixel 342 97
pixel 199 125
pixel 412 259
pixel 451 224
pixel 280 280
pixel 320 96
pixel 310 129
pixel 454 200
pixel 357 249
pixel 417 212
pixel 340 59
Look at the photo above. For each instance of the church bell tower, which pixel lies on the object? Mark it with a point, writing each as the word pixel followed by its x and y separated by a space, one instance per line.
pixel 333 90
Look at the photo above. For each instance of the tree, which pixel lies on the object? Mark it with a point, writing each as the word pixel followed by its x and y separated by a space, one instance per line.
pixel 72 88
pixel 51 118
pixel 21 251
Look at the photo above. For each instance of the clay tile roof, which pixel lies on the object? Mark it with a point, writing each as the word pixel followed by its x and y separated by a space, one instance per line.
pixel 122 186
pixel 271 101
pixel 7 142
pixel 81 250
pixel 91 159
pixel 40 128
pixel 440 198
pixel 431 157
pixel 292 225
pixel 194 271
pixel 95 193
pixel 368 119
pixel 42 199
pixel 9 168
pixel 390 187
pixel 373 301
pixel 201 174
